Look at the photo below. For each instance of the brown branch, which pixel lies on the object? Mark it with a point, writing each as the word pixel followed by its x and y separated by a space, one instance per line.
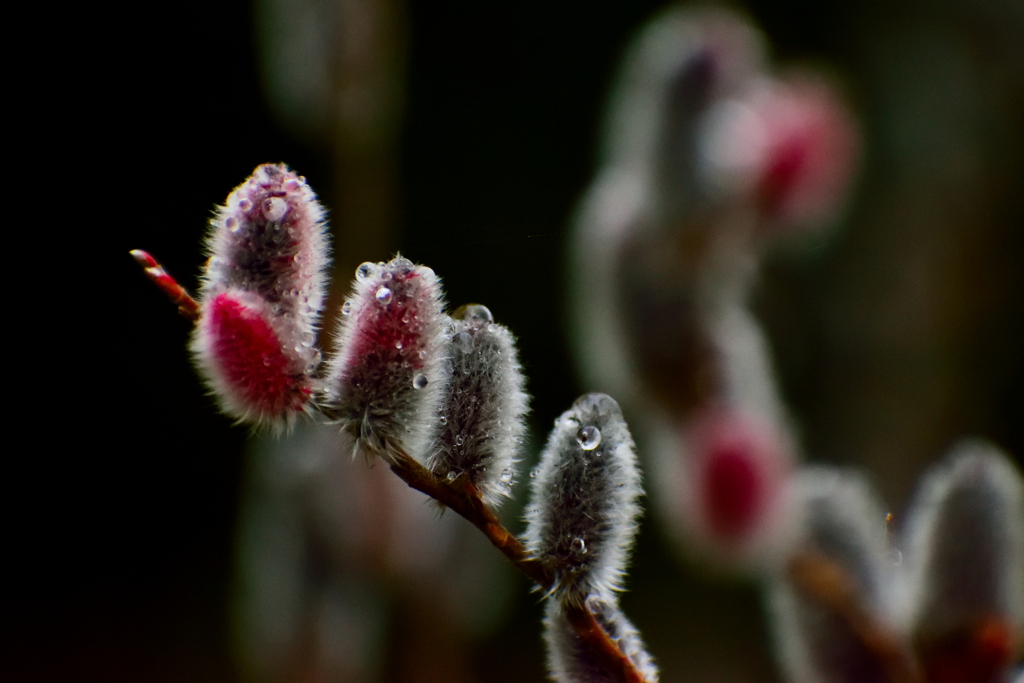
pixel 465 500
pixel 178 295
pixel 821 579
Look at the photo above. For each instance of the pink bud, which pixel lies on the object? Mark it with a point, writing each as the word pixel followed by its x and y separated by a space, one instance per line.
pixel 731 497
pixel 790 145
pixel 811 148
pixel 261 297
pixel 389 377
pixel 247 367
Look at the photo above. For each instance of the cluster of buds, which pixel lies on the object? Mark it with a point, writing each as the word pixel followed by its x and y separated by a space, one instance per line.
pixel 439 397
pixel 948 607
pixel 708 157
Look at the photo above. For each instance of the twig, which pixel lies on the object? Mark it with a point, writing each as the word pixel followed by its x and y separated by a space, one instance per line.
pixel 826 582
pixel 178 295
pixel 466 501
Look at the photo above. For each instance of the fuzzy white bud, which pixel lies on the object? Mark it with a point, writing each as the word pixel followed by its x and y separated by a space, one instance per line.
pixel 582 517
pixel 842 521
pixel 481 420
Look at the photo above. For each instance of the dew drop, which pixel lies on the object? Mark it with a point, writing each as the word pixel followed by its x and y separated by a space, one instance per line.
pixel 459 440
pixel 444 419
pixel 579 546
pixel 534 472
pixel 383 294
pixel 364 271
pixel 244 204
pixel 419 381
pixel 452 476
pixel 588 437
pixel 346 308
pixel 386 275
pixel 405 319
pixel 275 208
pixel 232 224
pixel 423 355
pixel 506 476
pixel 398 344
pixel 476 315
pixel 291 185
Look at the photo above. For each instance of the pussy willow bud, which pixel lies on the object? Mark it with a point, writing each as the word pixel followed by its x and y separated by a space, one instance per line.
pixel 965 565
pixel 389 377
pixel 842 522
pixel 261 297
pixel 790 143
pixel 582 517
pixel 725 486
pixel 481 420
pixel 570 661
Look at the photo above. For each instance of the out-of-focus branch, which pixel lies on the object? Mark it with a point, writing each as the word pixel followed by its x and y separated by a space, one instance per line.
pixel 827 583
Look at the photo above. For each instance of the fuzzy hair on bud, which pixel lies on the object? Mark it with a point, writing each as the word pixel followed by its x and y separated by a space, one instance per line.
pixel 389 377
pixel 841 520
pixel 261 297
pixel 481 420
pixel 582 517
pixel 964 575
pixel 569 661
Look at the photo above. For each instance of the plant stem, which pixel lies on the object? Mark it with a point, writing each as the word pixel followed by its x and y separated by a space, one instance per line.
pixel 178 295
pixel 465 500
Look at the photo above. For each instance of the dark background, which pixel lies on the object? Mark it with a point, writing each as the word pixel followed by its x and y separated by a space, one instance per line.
pixel 124 482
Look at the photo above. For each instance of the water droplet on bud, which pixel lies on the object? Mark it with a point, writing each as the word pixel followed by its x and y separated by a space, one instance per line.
pixel 588 437
pixel 459 440
pixel 275 208
pixel 579 546
pixel 346 308
pixel 383 295
pixel 364 271
pixel 244 204
pixel 476 315
pixel 232 224
pixel 419 381
pixel 444 419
